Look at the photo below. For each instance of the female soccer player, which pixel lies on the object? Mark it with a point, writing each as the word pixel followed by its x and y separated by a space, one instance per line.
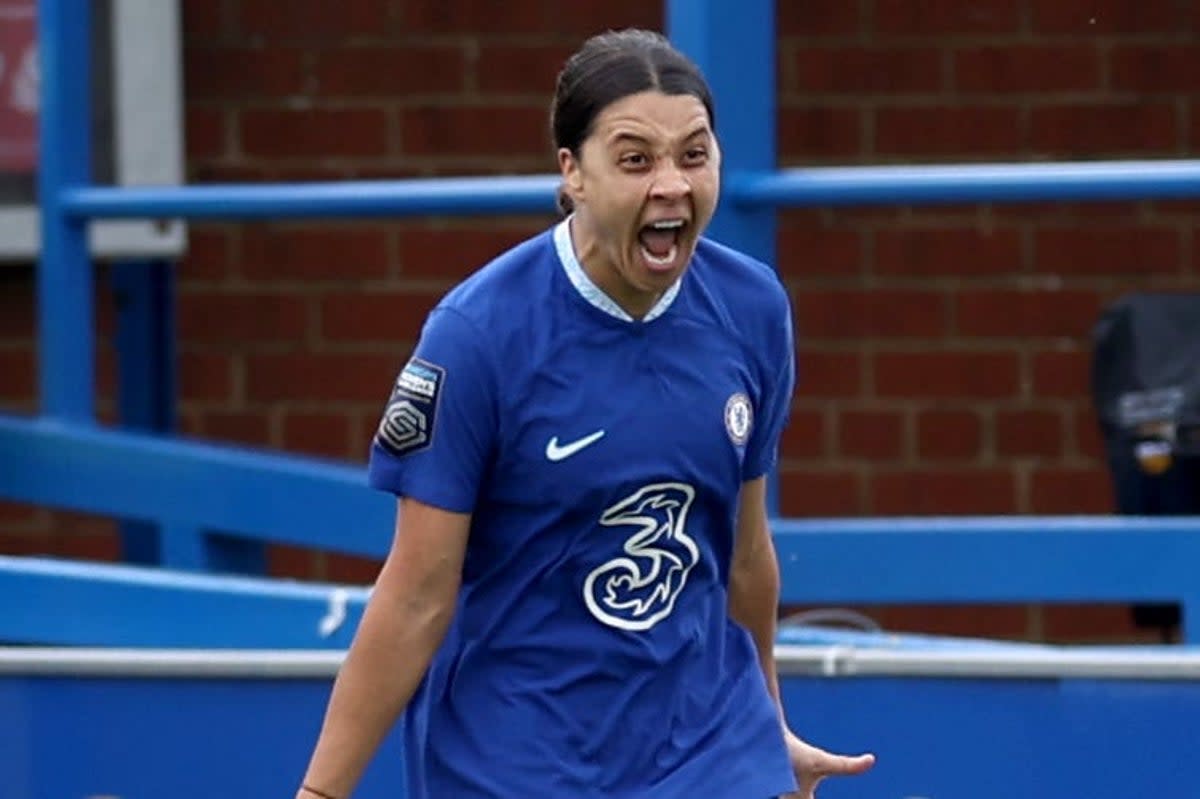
pixel 581 592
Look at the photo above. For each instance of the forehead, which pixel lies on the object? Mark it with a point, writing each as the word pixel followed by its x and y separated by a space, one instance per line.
pixel 652 115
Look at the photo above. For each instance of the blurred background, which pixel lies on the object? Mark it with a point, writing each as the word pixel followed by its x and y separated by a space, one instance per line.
pixel 944 352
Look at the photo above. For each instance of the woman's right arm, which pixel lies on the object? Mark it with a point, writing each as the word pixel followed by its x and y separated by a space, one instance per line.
pixel 402 626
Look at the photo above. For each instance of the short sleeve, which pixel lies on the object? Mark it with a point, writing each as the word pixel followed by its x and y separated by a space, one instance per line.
pixel 779 381
pixel 436 433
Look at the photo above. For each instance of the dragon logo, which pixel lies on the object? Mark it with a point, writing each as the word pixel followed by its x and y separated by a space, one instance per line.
pixel 638 589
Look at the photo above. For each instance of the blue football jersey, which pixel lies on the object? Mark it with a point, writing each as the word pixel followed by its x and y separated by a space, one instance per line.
pixel 591 653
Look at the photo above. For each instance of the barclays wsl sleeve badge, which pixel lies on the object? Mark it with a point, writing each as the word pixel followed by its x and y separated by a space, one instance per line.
pixel 407 424
pixel 739 418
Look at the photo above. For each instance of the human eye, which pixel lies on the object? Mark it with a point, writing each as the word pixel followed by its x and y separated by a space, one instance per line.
pixel 633 160
pixel 695 156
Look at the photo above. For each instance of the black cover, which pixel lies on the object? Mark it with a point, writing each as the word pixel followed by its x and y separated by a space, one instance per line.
pixel 1146 389
pixel 1146 369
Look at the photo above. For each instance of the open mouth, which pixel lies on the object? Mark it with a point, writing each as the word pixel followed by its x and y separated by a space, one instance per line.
pixel 660 242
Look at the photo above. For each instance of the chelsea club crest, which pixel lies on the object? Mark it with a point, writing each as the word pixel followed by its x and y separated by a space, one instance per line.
pixel 739 418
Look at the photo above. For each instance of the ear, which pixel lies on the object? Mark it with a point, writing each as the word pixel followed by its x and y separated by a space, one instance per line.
pixel 572 175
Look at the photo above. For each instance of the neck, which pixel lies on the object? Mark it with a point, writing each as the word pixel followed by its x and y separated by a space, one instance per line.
pixel 602 270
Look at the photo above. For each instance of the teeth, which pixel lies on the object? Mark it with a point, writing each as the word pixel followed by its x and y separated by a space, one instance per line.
pixel 665 260
pixel 667 224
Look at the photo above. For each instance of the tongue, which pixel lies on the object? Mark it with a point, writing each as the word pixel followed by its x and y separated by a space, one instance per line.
pixel 657 242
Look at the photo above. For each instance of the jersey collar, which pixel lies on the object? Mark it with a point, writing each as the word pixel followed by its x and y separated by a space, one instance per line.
pixel 593 293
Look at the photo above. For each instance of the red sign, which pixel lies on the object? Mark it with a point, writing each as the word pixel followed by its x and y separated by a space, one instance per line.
pixel 18 87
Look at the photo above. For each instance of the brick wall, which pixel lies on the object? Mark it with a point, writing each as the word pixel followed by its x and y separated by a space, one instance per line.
pixel 944 351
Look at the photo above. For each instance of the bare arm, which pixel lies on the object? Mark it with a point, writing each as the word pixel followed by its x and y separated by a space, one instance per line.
pixel 403 624
pixel 753 603
pixel 754 578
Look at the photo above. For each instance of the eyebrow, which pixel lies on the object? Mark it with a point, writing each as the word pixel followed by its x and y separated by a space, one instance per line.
pixel 629 136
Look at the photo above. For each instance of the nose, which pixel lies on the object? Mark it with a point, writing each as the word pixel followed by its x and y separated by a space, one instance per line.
pixel 670 183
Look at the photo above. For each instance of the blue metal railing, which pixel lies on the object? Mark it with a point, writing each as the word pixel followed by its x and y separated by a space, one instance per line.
pixel 202 494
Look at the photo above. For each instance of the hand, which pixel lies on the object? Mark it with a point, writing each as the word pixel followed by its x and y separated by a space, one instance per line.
pixel 813 765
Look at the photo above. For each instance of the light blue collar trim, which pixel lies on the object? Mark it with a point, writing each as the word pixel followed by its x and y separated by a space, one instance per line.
pixel 593 293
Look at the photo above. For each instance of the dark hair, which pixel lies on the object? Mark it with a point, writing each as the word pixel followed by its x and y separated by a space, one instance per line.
pixel 608 67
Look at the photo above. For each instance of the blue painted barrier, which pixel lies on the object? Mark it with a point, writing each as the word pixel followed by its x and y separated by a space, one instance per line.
pixel 946 718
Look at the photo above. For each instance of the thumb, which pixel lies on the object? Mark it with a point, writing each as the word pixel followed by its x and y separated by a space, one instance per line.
pixel 846 765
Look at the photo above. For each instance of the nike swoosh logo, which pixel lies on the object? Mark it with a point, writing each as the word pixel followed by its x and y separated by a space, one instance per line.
pixel 558 452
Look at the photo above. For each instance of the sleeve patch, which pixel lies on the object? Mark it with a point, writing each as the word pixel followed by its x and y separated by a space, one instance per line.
pixel 407 424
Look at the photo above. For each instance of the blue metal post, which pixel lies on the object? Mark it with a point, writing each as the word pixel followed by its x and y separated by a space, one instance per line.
pixel 733 43
pixel 65 312
pixel 147 390
pixel 145 372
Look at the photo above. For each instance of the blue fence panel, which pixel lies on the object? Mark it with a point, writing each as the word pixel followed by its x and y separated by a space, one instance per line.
pixel 242 725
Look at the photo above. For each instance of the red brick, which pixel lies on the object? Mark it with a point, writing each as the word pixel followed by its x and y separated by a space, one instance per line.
pixel 805 435
pixel 947 374
pixel 472 16
pixel 227 73
pixel 1063 490
pixel 872 435
pixel 1047 213
pixel 314 252
pixel 390 71
pixel 1093 18
pixel 829 374
pixel 202 20
pixel 18 304
pixel 373 315
pixel 315 133
pixel 966 253
pixel 1183 210
pixel 208 257
pixel 818 19
pixel 13 514
pixel 36 543
pixel 966 130
pixel 939 17
pixel 973 621
pixel 319 434
pixel 873 70
pixel 949 434
pixel 204 133
pixel 1160 68
pixel 1089 441
pixel 807 251
pixel 492 130
pixel 1062 373
pixel 1070 131
pixel 1030 433
pixel 214 316
pixel 823 492
pixel 1094 623
pixel 453 253
pixel 944 491
pixel 20 375
pixel 313 19
pixel 999 312
pixel 350 569
pixel 879 312
pixel 1112 250
pixel 205 377
pixel 1195 137
pixel 586 17
pixel 353 377
pixel 297 563
pixel 237 427
pixel 520 69
pixel 101 545
pixel 807 132
pixel 1028 69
